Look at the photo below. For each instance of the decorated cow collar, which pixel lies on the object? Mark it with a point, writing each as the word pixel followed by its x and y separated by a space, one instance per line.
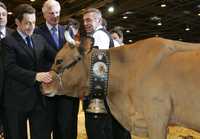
pixel 99 71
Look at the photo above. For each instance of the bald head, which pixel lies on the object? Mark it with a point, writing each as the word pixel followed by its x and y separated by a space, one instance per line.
pixel 51 12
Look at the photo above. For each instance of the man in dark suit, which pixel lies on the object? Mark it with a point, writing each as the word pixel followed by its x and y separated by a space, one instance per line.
pixel 63 110
pixel 4 31
pixel 25 53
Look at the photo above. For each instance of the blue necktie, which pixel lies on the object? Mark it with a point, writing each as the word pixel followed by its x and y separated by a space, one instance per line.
pixel 29 42
pixel 55 36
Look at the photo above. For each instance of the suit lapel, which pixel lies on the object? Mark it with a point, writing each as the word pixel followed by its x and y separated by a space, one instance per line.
pixel 23 45
pixel 8 32
pixel 49 37
pixel 61 35
pixel 36 44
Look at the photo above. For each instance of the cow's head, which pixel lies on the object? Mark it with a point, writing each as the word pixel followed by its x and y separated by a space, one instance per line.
pixel 70 70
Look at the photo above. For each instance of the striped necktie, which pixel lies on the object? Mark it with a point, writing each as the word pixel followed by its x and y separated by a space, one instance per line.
pixel 29 42
pixel 55 36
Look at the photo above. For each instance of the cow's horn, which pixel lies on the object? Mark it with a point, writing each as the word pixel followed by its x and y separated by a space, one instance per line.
pixel 69 39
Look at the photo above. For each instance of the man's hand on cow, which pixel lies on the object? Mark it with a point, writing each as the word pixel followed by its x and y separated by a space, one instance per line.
pixel 44 77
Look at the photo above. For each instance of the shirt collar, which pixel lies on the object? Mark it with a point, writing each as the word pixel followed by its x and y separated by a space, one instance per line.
pixel 99 27
pixel 3 31
pixel 50 26
pixel 23 35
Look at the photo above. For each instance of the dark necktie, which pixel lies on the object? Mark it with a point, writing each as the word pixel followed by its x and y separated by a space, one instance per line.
pixel 29 42
pixel 55 36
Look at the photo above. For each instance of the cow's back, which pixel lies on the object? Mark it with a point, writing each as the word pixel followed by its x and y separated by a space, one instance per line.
pixel 137 68
pixel 178 75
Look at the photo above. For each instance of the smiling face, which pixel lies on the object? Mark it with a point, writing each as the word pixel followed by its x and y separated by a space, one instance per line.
pixel 52 15
pixel 51 12
pixel 91 22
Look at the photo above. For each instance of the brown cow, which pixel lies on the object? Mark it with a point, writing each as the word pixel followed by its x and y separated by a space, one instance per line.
pixel 152 83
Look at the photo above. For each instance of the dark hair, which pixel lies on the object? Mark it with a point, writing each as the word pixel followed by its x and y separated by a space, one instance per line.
pixel 23 9
pixel 118 31
pixel 73 22
pixel 3 5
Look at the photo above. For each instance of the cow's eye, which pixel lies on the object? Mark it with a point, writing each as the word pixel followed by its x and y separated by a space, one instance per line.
pixel 59 61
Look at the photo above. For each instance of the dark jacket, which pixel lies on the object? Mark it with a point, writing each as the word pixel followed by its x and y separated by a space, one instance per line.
pixel 44 31
pixel 21 65
pixel 2 56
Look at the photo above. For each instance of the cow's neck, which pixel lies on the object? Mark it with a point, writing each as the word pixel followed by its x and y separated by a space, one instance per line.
pixel 84 66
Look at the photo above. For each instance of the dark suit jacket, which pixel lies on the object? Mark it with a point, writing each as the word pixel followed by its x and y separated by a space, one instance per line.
pixel 44 31
pixel 21 65
pixel 2 55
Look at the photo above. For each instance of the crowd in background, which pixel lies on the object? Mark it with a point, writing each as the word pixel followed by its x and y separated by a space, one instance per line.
pixel 26 55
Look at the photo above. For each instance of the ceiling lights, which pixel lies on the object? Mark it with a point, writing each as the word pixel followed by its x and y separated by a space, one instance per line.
pixel 159 23
pixel 163 5
pixel 187 29
pixel 10 13
pixel 111 9
pixel 155 18
pixel 130 41
pixel 125 17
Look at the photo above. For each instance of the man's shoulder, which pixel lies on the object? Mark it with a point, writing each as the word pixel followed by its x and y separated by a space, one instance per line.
pixel 38 37
pixel 41 28
pixel 100 33
pixel 9 30
pixel 11 39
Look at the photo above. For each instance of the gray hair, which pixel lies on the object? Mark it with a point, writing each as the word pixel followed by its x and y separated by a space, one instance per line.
pixel 50 3
pixel 3 5
pixel 94 10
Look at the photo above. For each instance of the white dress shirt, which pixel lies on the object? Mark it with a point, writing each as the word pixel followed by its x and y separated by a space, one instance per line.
pixel 23 35
pixel 3 33
pixel 50 28
pixel 101 39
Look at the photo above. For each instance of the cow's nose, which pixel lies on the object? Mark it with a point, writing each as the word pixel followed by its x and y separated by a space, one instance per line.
pixel 45 91
pixel 50 94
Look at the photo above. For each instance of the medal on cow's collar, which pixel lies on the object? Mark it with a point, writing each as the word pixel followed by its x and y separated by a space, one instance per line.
pixel 99 69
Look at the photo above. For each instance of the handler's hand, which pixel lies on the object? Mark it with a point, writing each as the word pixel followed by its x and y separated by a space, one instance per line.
pixel 43 77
